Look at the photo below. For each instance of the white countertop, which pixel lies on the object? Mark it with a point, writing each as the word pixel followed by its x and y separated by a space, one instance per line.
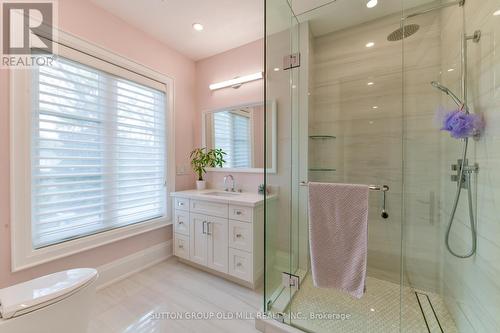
pixel 238 198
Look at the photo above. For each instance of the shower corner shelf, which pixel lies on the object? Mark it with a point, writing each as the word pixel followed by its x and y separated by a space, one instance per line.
pixel 322 169
pixel 323 137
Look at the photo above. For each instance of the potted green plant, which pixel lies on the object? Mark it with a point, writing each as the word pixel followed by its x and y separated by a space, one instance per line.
pixel 202 158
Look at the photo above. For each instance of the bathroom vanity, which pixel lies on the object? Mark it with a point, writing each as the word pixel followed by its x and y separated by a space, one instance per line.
pixel 221 232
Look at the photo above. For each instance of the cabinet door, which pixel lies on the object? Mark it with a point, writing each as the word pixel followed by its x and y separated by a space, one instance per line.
pixel 241 264
pixel 240 235
pixel 218 244
pixel 198 238
pixel 181 246
pixel 181 222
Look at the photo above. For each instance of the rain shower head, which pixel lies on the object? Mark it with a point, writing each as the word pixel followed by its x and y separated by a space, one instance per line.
pixel 403 32
pixel 448 92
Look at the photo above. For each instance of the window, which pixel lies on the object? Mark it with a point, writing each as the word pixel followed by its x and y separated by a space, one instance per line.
pixel 90 153
pixel 98 152
pixel 232 135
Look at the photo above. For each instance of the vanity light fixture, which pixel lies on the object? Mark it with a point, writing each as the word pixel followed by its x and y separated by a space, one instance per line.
pixel 236 82
pixel 198 26
pixel 370 83
pixel 276 69
pixel 371 3
pixel 370 44
pixel 496 13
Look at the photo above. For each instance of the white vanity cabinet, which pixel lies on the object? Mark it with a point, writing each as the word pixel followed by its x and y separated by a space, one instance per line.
pixel 222 235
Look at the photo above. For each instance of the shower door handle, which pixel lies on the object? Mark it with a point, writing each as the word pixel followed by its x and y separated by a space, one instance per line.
pixel 384 213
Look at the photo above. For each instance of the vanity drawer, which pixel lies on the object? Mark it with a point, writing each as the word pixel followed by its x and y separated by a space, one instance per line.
pixel 181 222
pixel 240 264
pixel 181 246
pixel 209 208
pixel 240 213
pixel 240 235
pixel 181 203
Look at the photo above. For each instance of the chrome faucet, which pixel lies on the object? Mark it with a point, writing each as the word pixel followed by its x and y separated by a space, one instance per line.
pixel 232 183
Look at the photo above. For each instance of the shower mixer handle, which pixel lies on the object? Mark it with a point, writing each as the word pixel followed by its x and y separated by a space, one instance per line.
pixel 462 176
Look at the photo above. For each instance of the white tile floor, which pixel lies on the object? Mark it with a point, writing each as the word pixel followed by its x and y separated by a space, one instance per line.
pixel 128 305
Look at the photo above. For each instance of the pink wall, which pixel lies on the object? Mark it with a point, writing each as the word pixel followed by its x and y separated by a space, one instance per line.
pixel 243 60
pixel 84 19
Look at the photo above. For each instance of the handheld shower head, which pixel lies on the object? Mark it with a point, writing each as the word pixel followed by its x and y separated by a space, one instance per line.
pixel 448 92
pixel 439 86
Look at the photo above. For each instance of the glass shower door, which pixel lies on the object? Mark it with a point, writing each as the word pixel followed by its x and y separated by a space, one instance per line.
pixel 281 206
pixel 351 106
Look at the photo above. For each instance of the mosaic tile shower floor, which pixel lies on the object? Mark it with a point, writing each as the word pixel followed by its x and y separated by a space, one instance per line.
pixel 378 311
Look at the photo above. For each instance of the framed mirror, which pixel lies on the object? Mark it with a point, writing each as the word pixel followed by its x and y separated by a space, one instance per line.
pixel 239 132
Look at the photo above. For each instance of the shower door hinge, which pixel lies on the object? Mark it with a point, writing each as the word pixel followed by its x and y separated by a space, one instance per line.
pixel 290 280
pixel 291 61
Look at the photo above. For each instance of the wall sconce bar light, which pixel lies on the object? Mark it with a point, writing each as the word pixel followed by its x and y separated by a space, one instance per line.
pixel 236 82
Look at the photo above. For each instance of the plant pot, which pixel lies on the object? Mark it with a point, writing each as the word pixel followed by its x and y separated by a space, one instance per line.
pixel 201 184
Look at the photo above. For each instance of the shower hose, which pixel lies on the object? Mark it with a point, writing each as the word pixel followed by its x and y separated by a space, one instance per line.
pixel 472 222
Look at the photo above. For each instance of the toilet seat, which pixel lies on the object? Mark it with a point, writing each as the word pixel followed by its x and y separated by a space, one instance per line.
pixel 34 294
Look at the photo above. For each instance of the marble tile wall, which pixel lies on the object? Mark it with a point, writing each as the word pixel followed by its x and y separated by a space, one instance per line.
pixel 471 286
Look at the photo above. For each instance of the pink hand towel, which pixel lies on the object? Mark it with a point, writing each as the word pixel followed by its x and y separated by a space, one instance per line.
pixel 338 236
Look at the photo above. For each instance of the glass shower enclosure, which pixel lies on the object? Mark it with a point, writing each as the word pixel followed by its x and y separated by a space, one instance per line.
pixel 355 104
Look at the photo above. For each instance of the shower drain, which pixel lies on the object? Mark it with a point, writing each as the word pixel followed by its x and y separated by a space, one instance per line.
pixel 430 317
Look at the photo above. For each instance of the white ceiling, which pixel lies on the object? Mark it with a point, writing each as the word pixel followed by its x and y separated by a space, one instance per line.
pixel 341 14
pixel 232 23
pixel 228 23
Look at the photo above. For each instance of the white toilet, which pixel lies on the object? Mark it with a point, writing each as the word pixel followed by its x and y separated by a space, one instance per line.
pixel 55 303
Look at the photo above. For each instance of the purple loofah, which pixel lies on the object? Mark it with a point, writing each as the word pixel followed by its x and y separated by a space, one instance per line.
pixel 462 125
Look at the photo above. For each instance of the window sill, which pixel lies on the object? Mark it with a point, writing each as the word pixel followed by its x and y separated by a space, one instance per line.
pixel 33 257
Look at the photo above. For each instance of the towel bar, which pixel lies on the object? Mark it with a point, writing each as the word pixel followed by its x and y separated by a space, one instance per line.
pixel 383 188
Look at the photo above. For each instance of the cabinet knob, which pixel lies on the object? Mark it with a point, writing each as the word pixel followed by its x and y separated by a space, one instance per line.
pixel 238 212
pixel 239 264
pixel 239 235
pixel 181 246
pixel 181 203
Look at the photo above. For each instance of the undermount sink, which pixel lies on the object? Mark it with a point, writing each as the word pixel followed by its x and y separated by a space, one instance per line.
pixel 221 194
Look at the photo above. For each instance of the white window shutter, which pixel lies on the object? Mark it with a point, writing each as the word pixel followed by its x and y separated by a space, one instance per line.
pixel 98 152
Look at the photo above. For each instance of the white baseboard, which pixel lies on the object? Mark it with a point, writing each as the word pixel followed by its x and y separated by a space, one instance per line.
pixel 126 266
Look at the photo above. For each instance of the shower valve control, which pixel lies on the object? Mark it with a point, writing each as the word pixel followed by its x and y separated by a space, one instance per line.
pixel 465 174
